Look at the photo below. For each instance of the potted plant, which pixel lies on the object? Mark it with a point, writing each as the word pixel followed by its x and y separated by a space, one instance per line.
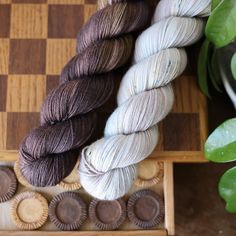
pixel 217 65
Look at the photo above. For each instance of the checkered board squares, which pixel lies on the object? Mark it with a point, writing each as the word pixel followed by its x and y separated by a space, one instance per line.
pixel 37 38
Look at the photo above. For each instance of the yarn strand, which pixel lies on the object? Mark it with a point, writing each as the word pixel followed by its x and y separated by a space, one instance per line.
pixel 108 167
pixel 68 115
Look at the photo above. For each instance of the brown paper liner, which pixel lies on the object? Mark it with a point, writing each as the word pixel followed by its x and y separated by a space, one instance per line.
pixel 145 209
pixel 8 184
pixel 148 182
pixel 23 213
pixel 22 180
pixel 60 206
pixel 112 212
pixel 71 182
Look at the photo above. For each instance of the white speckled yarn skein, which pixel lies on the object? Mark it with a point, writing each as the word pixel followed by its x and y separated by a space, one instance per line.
pixel 108 166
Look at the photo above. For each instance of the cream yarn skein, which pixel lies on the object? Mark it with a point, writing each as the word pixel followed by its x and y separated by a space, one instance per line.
pixel 108 166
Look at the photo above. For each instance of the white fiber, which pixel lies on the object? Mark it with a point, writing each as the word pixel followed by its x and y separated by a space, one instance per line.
pixel 108 166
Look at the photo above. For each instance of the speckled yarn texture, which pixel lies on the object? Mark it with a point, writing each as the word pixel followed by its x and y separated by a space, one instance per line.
pixel 68 116
pixel 108 167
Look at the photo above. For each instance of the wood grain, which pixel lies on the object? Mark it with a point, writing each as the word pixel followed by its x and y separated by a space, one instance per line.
pixel 25 93
pixel 59 52
pixel 4 56
pixel 19 123
pixel 90 233
pixel 29 21
pixel 27 56
pixel 64 21
pixel 3 91
pixel 3 130
pixel 169 199
pixel 181 132
pixel 4 20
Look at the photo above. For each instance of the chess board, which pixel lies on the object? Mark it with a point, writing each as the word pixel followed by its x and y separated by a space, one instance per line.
pixel 37 37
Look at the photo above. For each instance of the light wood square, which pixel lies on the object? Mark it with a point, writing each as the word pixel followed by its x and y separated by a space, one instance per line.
pixel 5 1
pixel 25 93
pixel 89 9
pixel 3 130
pixel 29 21
pixel 66 1
pixel 4 56
pixel 59 52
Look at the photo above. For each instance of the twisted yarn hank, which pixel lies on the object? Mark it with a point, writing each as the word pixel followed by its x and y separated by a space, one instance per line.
pixel 108 166
pixel 49 153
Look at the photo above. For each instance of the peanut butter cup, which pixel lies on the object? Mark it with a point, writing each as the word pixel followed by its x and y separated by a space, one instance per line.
pixel 8 184
pixel 150 173
pixel 145 209
pixel 71 182
pixel 22 180
pixel 107 215
pixel 68 211
pixel 29 210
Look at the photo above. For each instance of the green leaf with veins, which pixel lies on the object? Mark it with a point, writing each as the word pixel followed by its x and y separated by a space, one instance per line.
pixel 221 144
pixel 227 189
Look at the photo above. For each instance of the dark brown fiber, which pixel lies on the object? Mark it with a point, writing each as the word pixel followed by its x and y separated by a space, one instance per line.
pixel 68 116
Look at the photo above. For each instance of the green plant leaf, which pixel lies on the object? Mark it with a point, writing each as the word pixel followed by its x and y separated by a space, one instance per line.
pixel 212 70
pixel 202 68
pixel 233 65
pixel 215 3
pixel 221 144
pixel 215 67
pixel 227 189
pixel 220 28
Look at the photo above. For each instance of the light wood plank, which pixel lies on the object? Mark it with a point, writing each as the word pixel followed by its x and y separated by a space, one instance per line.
pixel 176 157
pixel 4 56
pixel 169 198
pixel 87 233
pixel 3 130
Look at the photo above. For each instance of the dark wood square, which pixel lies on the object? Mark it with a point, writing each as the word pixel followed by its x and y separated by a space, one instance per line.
pixel 5 12
pixel 181 132
pixel 3 92
pixel 52 81
pixel 90 1
pixel 18 126
pixel 64 21
pixel 27 56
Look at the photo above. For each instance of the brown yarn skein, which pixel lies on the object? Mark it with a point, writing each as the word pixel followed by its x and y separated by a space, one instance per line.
pixel 68 116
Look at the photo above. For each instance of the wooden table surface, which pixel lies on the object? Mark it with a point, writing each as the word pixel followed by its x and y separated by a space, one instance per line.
pixel 37 37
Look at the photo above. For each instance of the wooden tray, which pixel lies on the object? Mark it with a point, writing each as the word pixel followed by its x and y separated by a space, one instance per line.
pixel 37 37
pixel 164 189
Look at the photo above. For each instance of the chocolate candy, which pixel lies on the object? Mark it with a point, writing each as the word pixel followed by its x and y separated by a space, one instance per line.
pixel 107 215
pixel 68 211
pixel 145 209
pixel 8 184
